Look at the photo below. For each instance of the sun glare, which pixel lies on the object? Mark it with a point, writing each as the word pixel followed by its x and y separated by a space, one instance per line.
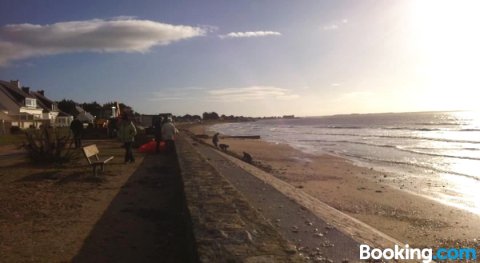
pixel 445 37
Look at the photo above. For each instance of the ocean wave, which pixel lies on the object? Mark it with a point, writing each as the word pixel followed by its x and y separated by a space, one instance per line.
pixel 399 148
pixel 409 164
pixel 342 127
pixel 398 128
pixel 413 129
pixel 379 128
pixel 402 137
pixel 441 123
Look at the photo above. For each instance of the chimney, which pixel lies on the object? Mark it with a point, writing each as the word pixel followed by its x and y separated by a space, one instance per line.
pixel 15 83
pixel 26 90
pixel 41 92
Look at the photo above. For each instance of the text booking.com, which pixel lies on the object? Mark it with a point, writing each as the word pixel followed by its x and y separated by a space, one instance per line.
pixel 426 255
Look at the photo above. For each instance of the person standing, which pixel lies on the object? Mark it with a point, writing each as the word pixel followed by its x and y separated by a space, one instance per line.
pixel 168 134
pixel 77 129
pixel 157 129
pixel 126 134
pixel 215 139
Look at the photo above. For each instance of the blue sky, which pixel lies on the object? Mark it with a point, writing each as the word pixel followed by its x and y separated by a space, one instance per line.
pixel 254 58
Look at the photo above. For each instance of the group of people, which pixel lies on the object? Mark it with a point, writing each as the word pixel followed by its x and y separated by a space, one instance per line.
pixel 165 130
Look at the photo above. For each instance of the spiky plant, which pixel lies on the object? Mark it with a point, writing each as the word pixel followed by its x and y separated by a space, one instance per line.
pixel 48 145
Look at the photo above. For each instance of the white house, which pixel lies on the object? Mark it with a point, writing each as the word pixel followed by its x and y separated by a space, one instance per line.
pixel 26 108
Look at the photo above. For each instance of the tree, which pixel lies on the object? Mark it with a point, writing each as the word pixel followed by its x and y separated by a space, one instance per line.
pixel 94 108
pixel 210 116
pixel 68 106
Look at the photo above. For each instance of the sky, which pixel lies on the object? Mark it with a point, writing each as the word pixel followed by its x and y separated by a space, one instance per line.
pixel 250 57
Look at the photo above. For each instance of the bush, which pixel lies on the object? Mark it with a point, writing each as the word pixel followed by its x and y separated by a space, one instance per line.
pixel 15 130
pixel 48 145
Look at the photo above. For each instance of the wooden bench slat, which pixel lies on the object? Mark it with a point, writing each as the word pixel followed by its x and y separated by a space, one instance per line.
pixel 90 150
pixel 104 161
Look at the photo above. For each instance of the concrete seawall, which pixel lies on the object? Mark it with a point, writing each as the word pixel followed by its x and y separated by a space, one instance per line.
pixel 225 226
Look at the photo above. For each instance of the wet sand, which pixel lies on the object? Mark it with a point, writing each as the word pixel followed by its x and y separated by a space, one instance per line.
pixel 362 193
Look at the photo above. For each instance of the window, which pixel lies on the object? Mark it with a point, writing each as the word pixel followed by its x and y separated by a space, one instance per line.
pixel 31 103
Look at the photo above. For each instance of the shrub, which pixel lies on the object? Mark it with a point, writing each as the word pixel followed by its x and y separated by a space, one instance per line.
pixel 15 130
pixel 48 145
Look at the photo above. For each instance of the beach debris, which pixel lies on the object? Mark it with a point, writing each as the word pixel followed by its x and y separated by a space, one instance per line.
pixel 295 229
pixel 378 191
pixel 318 235
pixel 223 234
pixel 291 249
pixel 249 236
pixel 319 259
pixel 308 223
pixel 329 227
pixel 327 244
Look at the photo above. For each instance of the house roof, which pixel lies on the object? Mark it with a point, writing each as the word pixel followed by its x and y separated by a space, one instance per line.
pixel 15 93
pixel 42 101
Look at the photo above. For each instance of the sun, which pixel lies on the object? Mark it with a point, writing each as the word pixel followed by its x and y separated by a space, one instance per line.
pixel 446 43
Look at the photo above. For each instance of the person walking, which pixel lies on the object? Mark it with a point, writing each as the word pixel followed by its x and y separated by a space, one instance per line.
pixel 168 134
pixel 126 134
pixel 77 129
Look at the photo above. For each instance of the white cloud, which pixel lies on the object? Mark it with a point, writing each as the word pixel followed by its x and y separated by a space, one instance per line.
pixel 252 93
pixel 330 27
pixel 175 94
pixel 121 34
pixel 250 34
pixel 335 25
pixel 226 94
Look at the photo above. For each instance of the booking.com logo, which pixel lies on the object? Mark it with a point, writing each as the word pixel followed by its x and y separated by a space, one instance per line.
pixel 425 254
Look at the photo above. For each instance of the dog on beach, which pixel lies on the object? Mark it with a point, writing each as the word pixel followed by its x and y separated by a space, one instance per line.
pixel 247 157
pixel 223 147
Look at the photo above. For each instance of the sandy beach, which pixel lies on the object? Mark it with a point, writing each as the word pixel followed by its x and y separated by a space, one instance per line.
pixel 361 193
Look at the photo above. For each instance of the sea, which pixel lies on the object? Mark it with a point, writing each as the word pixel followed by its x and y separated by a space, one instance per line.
pixel 432 154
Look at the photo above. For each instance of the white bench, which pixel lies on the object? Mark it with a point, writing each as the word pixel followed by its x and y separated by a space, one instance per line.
pixel 91 152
